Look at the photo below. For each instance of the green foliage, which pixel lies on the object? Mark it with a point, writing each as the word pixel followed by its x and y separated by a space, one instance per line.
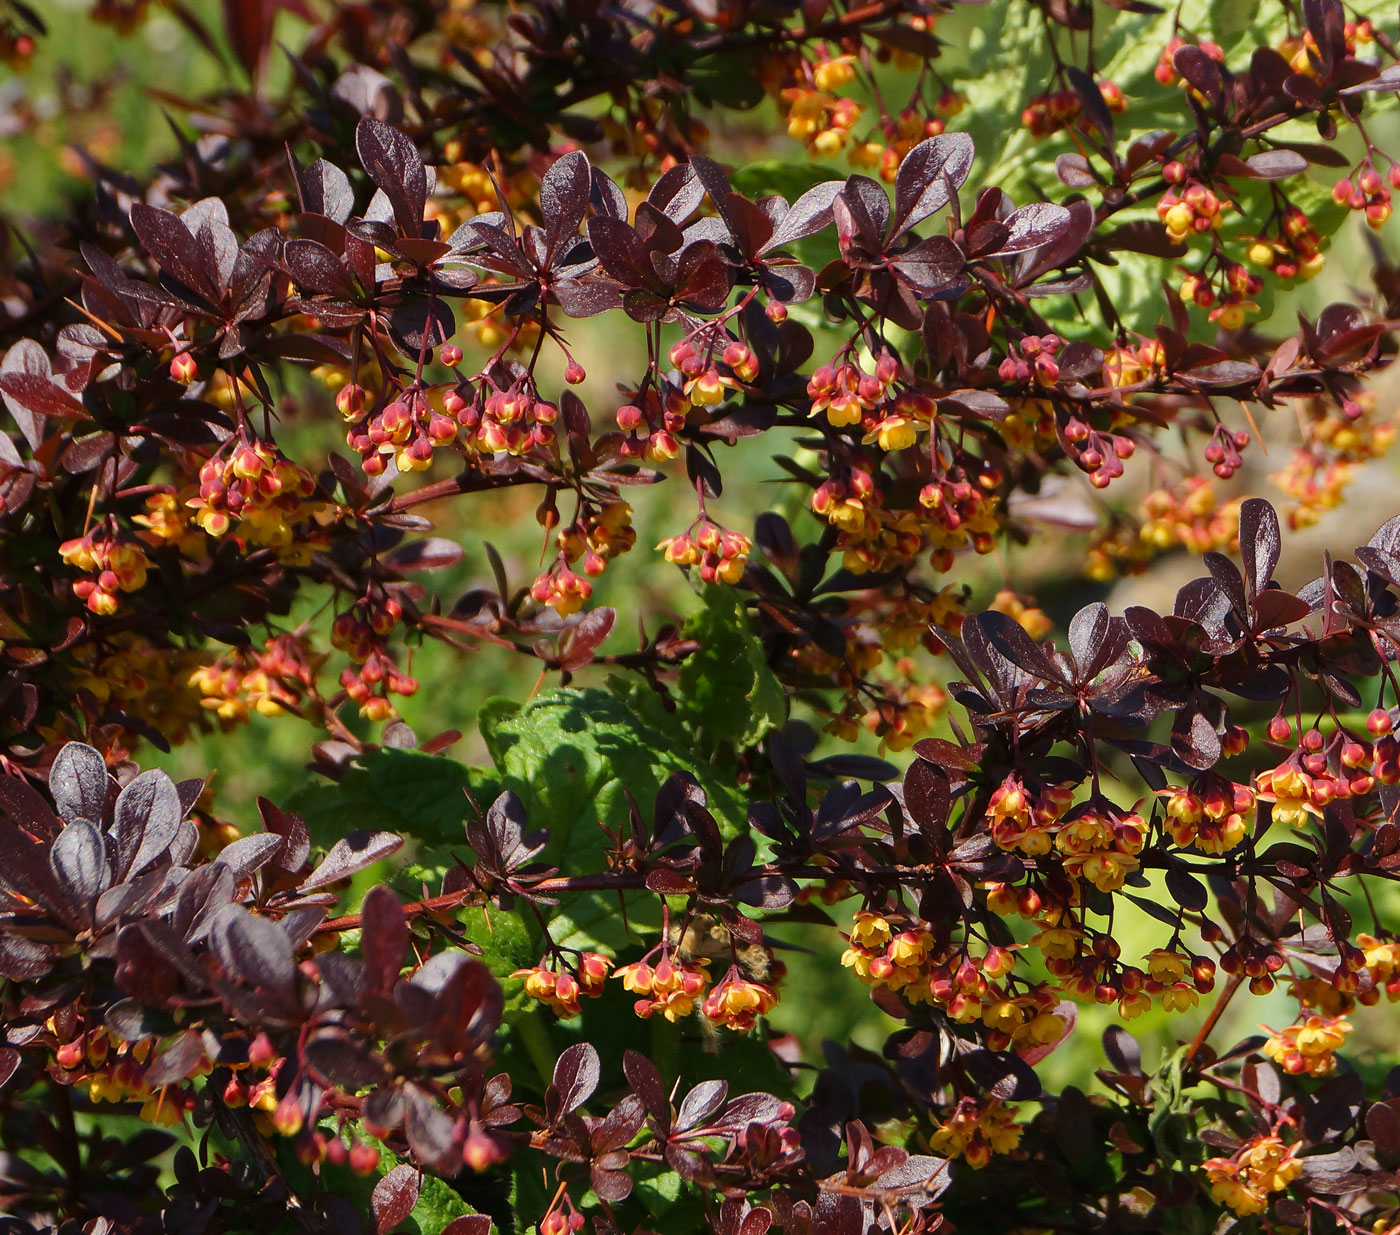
pixel 578 759
pixel 730 697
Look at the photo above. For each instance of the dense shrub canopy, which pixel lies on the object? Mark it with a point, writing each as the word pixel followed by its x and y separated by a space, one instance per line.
pixel 798 870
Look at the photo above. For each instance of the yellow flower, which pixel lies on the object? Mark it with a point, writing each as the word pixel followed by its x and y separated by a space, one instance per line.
pixel 1309 1046
pixel 871 930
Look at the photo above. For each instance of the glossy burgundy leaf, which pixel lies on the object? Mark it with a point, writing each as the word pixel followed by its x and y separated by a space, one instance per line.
pixel 1198 69
pixel 1032 226
pixel 564 193
pixel 576 1076
pixel 394 1197
pixel 78 859
pixel 393 163
pixel 646 1083
pixel 146 818
pixel 928 177
pixel 167 239
pixel 1260 543
pixel 324 189
pixel 79 783
pixel 350 854
pixel 254 950
pixel 39 395
pixel 808 215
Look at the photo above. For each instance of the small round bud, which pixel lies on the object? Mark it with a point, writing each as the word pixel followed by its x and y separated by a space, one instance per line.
pixel 364 1159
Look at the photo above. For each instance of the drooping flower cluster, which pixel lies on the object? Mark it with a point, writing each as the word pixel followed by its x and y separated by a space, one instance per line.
pixel 110 565
pixel 254 491
pixel 977 1129
pixel 1245 1181
pixel 1309 1047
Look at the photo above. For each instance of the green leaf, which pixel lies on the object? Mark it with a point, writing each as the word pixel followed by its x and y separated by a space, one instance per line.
pixel 416 795
pixel 728 692
pixel 405 791
pixel 506 946
pixel 572 756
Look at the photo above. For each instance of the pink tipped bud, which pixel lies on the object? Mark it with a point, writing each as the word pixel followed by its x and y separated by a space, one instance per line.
pixel 288 1118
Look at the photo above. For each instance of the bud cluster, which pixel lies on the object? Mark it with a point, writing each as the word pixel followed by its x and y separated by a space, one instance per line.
pixel 111 564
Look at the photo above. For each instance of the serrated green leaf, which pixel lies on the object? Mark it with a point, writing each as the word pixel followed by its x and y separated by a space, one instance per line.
pixel 728 692
pixel 416 795
pixel 420 796
pixel 572 756
pixel 506 946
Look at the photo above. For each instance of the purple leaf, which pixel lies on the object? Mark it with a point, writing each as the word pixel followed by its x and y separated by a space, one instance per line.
pixel 700 1103
pixel 146 818
pixel 646 1083
pixel 427 553
pixel 576 1076
pixel 166 238
pixel 1199 70
pixel 564 191
pixel 1260 543
pixel 1032 226
pixel 324 189
pixel 394 1197
pixel 78 782
pixel 39 395
pixel 929 176
pixel 383 937
pixel 677 193
pixel 395 166
pixel 253 949
pixel 79 863
pixel 1091 100
pixel 808 215
pixel 350 854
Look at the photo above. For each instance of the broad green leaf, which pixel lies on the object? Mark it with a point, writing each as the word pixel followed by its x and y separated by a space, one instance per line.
pixel 729 694
pixel 405 791
pixel 416 795
pixel 506 946
pixel 573 756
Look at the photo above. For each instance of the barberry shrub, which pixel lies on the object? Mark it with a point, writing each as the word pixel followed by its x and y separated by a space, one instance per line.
pixel 961 279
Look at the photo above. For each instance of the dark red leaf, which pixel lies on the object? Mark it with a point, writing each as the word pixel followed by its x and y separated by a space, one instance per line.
pixel 79 782
pixel 40 395
pixel 576 1076
pixel 394 1197
pixel 393 163
pixel 350 854
pixel 928 177
pixel 808 215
